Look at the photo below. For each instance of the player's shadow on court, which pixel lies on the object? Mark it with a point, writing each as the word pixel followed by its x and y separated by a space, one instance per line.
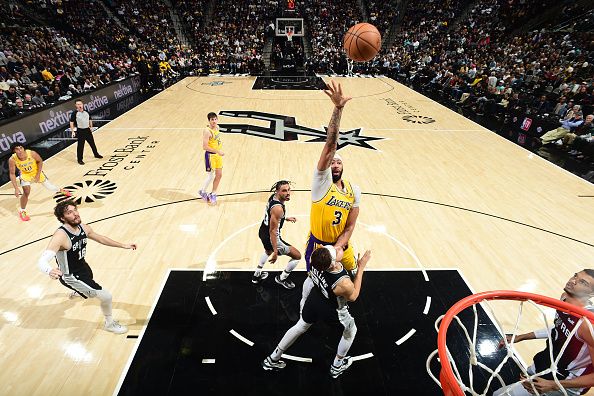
pixel 34 314
pixel 171 194
pixel 30 314
pixel 138 313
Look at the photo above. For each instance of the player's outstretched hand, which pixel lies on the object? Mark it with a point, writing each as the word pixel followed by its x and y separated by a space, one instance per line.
pixel 334 92
pixel 362 261
pixel 291 219
pixel 132 246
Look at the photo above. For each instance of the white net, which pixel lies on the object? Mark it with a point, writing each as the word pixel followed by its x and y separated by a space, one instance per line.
pixel 490 377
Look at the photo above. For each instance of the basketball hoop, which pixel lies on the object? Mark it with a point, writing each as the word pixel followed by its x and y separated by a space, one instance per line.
pixel 450 378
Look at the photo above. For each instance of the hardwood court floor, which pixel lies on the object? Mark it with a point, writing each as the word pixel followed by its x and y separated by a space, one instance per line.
pixel 441 194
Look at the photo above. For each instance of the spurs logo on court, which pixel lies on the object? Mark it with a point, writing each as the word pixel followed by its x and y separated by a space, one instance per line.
pixel 88 191
pixel 216 83
pixel 409 112
pixel 285 128
pixel 417 119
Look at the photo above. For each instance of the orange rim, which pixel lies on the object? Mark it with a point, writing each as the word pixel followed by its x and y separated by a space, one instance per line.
pixel 447 378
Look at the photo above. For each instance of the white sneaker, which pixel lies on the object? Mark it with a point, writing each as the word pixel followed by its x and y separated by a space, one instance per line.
pixel 115 327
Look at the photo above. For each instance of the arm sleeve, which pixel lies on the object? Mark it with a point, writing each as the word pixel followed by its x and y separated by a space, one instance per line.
pixel 73 117
pixel 322 181
pixel 357 192
pixel 542 333
pixel 44 260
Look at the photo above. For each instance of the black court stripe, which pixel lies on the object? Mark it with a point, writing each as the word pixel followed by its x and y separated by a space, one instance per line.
pixel 371 194
pixel 579 196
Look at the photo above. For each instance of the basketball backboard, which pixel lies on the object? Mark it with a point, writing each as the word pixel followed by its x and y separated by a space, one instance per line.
pixel 283 25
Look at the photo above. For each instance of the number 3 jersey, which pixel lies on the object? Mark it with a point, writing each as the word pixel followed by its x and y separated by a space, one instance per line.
pixel 330 209
pixel 72 261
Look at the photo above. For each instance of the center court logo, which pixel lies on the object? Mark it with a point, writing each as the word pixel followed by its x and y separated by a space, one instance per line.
pixel 285 128
pixel 88 191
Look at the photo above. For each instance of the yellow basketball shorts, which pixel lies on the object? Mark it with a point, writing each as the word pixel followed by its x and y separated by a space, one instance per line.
pixel 212 161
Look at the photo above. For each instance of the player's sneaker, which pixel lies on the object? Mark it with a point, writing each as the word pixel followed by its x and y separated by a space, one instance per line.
pixel 259 278
pixel 335 372
pixel 24 216
pixel 269 364
pixel 212 197
pixel 203 195
pixel 65 192
pixel 72 295
pixel 115 327
pixel 287 284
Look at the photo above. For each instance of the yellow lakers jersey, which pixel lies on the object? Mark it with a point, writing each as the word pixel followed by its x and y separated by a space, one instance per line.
pixel 329 215
pixel 214 141
pixel 28 166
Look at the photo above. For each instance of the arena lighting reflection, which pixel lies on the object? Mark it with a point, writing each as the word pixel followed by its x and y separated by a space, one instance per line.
pixel 529 286
pixel 189 228
pixel 77 352
pixel 35 292
pixel 379 228
pixel 10 316
pixel 487 347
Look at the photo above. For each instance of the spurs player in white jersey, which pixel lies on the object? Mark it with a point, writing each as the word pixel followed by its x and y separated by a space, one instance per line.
pixel 574 369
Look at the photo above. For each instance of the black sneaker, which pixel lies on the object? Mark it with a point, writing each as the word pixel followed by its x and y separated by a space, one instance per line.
pixel 269 364
pixel 99 156
pixel 287 284
pixel 81 163
pixel 335 372
pixel 258 279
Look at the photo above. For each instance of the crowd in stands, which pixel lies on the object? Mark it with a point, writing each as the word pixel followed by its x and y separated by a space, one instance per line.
pixel 39 66
pixel 326 22
pixel 149 19
pixel 192 15
pixel 234 39
pixel 482 67
pixel 467 53
pixel 382 15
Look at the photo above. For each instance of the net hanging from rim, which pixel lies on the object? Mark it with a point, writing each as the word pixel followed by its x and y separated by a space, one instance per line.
pixel 450 377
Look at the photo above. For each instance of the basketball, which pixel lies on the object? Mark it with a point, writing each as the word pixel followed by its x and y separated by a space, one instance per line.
pixel 362 42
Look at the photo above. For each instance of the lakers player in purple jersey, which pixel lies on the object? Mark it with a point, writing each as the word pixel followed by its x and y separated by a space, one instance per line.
pixel 68 247
pixel 575 371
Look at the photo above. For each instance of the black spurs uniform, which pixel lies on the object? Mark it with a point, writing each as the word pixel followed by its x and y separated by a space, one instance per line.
pixel 322 303
pixel 77 275
pixel 264 232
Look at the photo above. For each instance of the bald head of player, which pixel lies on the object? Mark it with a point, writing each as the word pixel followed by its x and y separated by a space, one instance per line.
pixel 336 168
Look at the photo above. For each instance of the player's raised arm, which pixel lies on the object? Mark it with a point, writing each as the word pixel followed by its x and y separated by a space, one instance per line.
pixel 334 92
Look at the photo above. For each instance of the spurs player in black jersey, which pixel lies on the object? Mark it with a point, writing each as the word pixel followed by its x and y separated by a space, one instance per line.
pixel 69 246
pixel 574 369
pixel 274 246
pixel 327 301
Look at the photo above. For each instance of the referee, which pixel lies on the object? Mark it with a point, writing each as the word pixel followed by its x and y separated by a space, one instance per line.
pixel 80 125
